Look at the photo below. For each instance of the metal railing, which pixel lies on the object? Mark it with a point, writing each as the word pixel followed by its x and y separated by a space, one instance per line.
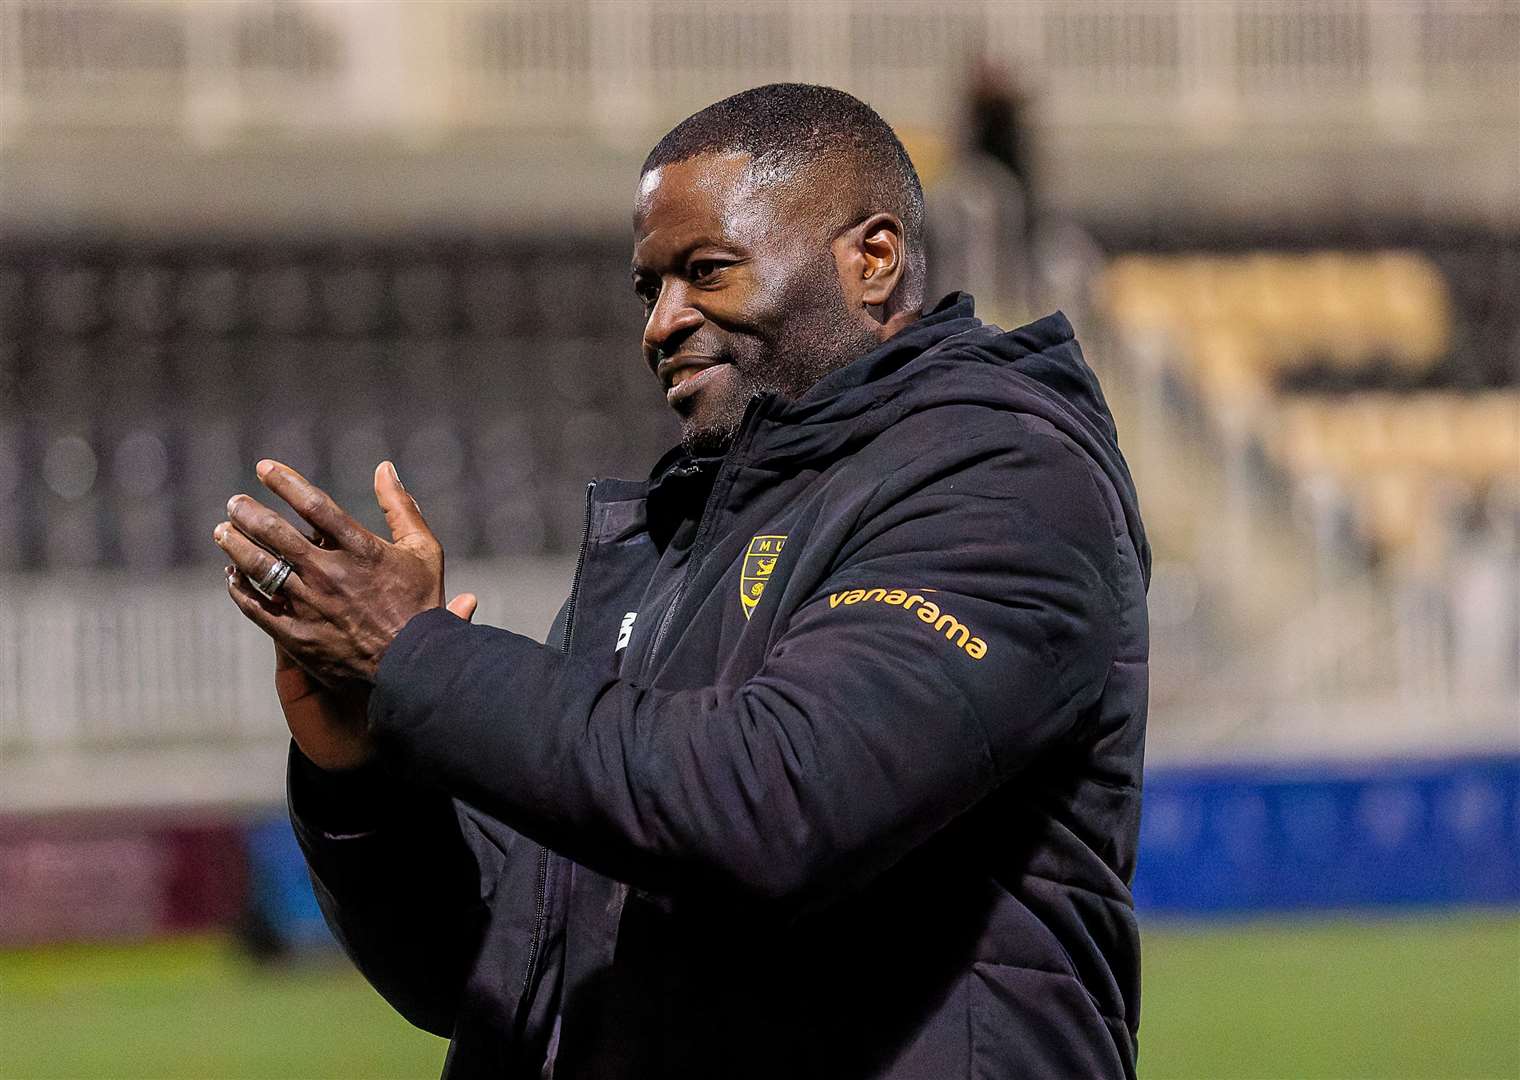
pixel 214 72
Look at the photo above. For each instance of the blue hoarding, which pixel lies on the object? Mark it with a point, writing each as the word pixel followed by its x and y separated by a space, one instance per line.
pixel 1238 838
pixel 1223 839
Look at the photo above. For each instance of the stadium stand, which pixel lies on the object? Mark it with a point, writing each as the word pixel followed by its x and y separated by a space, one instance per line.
pixel 145 380
pixel 418 215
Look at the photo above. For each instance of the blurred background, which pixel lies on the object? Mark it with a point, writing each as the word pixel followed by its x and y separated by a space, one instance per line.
pixel 1288 235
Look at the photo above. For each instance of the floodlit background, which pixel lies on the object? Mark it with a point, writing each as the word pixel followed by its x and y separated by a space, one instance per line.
pixel 1288 234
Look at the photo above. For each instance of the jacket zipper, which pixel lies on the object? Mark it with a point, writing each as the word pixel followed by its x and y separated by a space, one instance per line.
pixel 698 550
pixel 580 565
pixel 705 525
pixel 540 910
pixel 541 891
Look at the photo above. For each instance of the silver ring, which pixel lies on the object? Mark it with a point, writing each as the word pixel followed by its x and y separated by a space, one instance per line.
pixel 270 583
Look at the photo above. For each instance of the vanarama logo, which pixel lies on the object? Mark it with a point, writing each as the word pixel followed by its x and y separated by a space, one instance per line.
pixel 759 562
pixel 927 610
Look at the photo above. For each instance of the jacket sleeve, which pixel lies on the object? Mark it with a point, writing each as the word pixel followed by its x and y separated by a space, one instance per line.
pixel 872 723
pixel 400 874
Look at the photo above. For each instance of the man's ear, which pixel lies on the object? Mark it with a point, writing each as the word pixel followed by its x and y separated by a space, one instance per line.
pixel 872 260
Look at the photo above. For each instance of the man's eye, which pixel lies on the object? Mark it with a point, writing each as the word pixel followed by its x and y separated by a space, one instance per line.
pixel 704 268
pixel 647 293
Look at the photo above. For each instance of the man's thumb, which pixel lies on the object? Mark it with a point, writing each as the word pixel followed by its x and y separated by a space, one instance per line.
pixel 463 605
pixel 400 509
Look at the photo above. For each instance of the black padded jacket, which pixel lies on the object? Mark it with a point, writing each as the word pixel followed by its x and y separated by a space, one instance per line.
pixel 830 766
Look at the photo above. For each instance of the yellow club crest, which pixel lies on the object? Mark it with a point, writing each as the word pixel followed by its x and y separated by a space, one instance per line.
pixel 759 561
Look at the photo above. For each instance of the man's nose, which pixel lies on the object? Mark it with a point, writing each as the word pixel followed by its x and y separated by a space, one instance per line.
pixel 671 321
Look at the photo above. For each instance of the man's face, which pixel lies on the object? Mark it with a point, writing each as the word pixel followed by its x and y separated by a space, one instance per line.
pixel 741 293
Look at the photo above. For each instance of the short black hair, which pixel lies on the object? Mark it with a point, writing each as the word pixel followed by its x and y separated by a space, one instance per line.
pixel 796 127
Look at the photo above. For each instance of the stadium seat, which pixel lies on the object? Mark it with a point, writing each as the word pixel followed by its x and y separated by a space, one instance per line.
pixel 1349 332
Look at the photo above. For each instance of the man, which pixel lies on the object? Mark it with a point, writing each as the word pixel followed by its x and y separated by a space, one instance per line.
pixel 831 764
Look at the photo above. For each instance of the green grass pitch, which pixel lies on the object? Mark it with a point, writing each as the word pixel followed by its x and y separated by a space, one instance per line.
pixel 1434 996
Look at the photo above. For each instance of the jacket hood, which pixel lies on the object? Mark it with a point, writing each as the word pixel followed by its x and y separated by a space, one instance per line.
pixel 950 357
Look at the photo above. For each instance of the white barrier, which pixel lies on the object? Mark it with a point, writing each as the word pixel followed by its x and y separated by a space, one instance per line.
pixel 116 689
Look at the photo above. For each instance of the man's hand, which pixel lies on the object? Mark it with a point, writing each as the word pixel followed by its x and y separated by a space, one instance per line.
pixel 345 600
pixel 329 725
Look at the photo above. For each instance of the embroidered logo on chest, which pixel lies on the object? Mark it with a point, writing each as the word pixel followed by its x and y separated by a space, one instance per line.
pixel 759 562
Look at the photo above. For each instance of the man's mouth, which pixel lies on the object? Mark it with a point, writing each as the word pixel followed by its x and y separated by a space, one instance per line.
pixel 687 379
